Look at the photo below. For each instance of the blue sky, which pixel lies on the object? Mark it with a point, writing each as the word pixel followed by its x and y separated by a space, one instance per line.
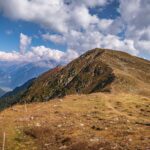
pixel 64 29
pixel 10 29
pixel 110 11
pixel 10 33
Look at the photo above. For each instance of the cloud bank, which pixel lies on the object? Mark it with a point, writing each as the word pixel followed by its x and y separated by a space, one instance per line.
pixel 79 29
pixel 39 54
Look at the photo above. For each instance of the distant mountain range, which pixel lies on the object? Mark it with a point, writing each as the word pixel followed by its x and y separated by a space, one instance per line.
pixel 15 95
pixel 14 75
pixel 98 70
pixel 2 92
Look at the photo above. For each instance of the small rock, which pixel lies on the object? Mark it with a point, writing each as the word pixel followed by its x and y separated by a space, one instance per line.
pixel 128 121
pixel 116 119
pixel 130 140
pixel 61 100
pixel 46 144
pixel 106 128
pixel 31 118
pixel 59 126
pixel 82 125
pixel 38 124
pixel 63 147
pixel 94 140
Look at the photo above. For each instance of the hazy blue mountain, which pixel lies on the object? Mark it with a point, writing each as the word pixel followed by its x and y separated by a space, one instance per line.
pixel 2 92
pixel 13 75
pixel 14 95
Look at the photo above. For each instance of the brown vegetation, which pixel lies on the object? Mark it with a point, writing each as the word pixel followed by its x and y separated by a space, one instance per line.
pixel 77 122
pixel 113 113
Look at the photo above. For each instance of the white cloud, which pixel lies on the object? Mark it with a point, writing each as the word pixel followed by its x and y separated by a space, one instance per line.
pixel 82 18
pixel 83 41
pixel 92 39
pixel 5 56
pixel 105 24
pixel 44 12
pixel 81 30
pixel 88 3
pixel 144 45
pixel 54 38
pixel 55 15
pixel 43 53
pixel 25 41
pixel 95 2
pixel 39 54
pixel 136 15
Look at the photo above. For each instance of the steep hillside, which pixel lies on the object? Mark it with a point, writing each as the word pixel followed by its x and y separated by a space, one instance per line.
pixel 86 74
pixel 40 83
pixel 132 74
pixel 98 70
pixel 2 92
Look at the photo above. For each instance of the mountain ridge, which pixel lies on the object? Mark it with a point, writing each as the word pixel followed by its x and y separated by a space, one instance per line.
pixel 98 70
pixel 118 71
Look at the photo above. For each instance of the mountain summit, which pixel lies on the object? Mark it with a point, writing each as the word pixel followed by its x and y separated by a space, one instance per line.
pixel 98 70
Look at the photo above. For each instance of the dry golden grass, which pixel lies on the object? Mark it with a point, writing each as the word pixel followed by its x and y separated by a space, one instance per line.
pixel 79 122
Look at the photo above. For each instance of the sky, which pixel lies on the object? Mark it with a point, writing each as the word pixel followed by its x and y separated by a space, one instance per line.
pixel 61 30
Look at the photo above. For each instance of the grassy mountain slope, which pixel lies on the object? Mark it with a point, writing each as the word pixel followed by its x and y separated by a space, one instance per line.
pixel 98 70
pixel 95 71
pixel 79 122
pixel 132 74
pixel 86 74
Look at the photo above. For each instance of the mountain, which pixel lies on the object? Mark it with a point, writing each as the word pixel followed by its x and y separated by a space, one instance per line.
pixel 98 70
pixel 14 75
pixel 106 106
pixel 14 96
pixel 2 92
